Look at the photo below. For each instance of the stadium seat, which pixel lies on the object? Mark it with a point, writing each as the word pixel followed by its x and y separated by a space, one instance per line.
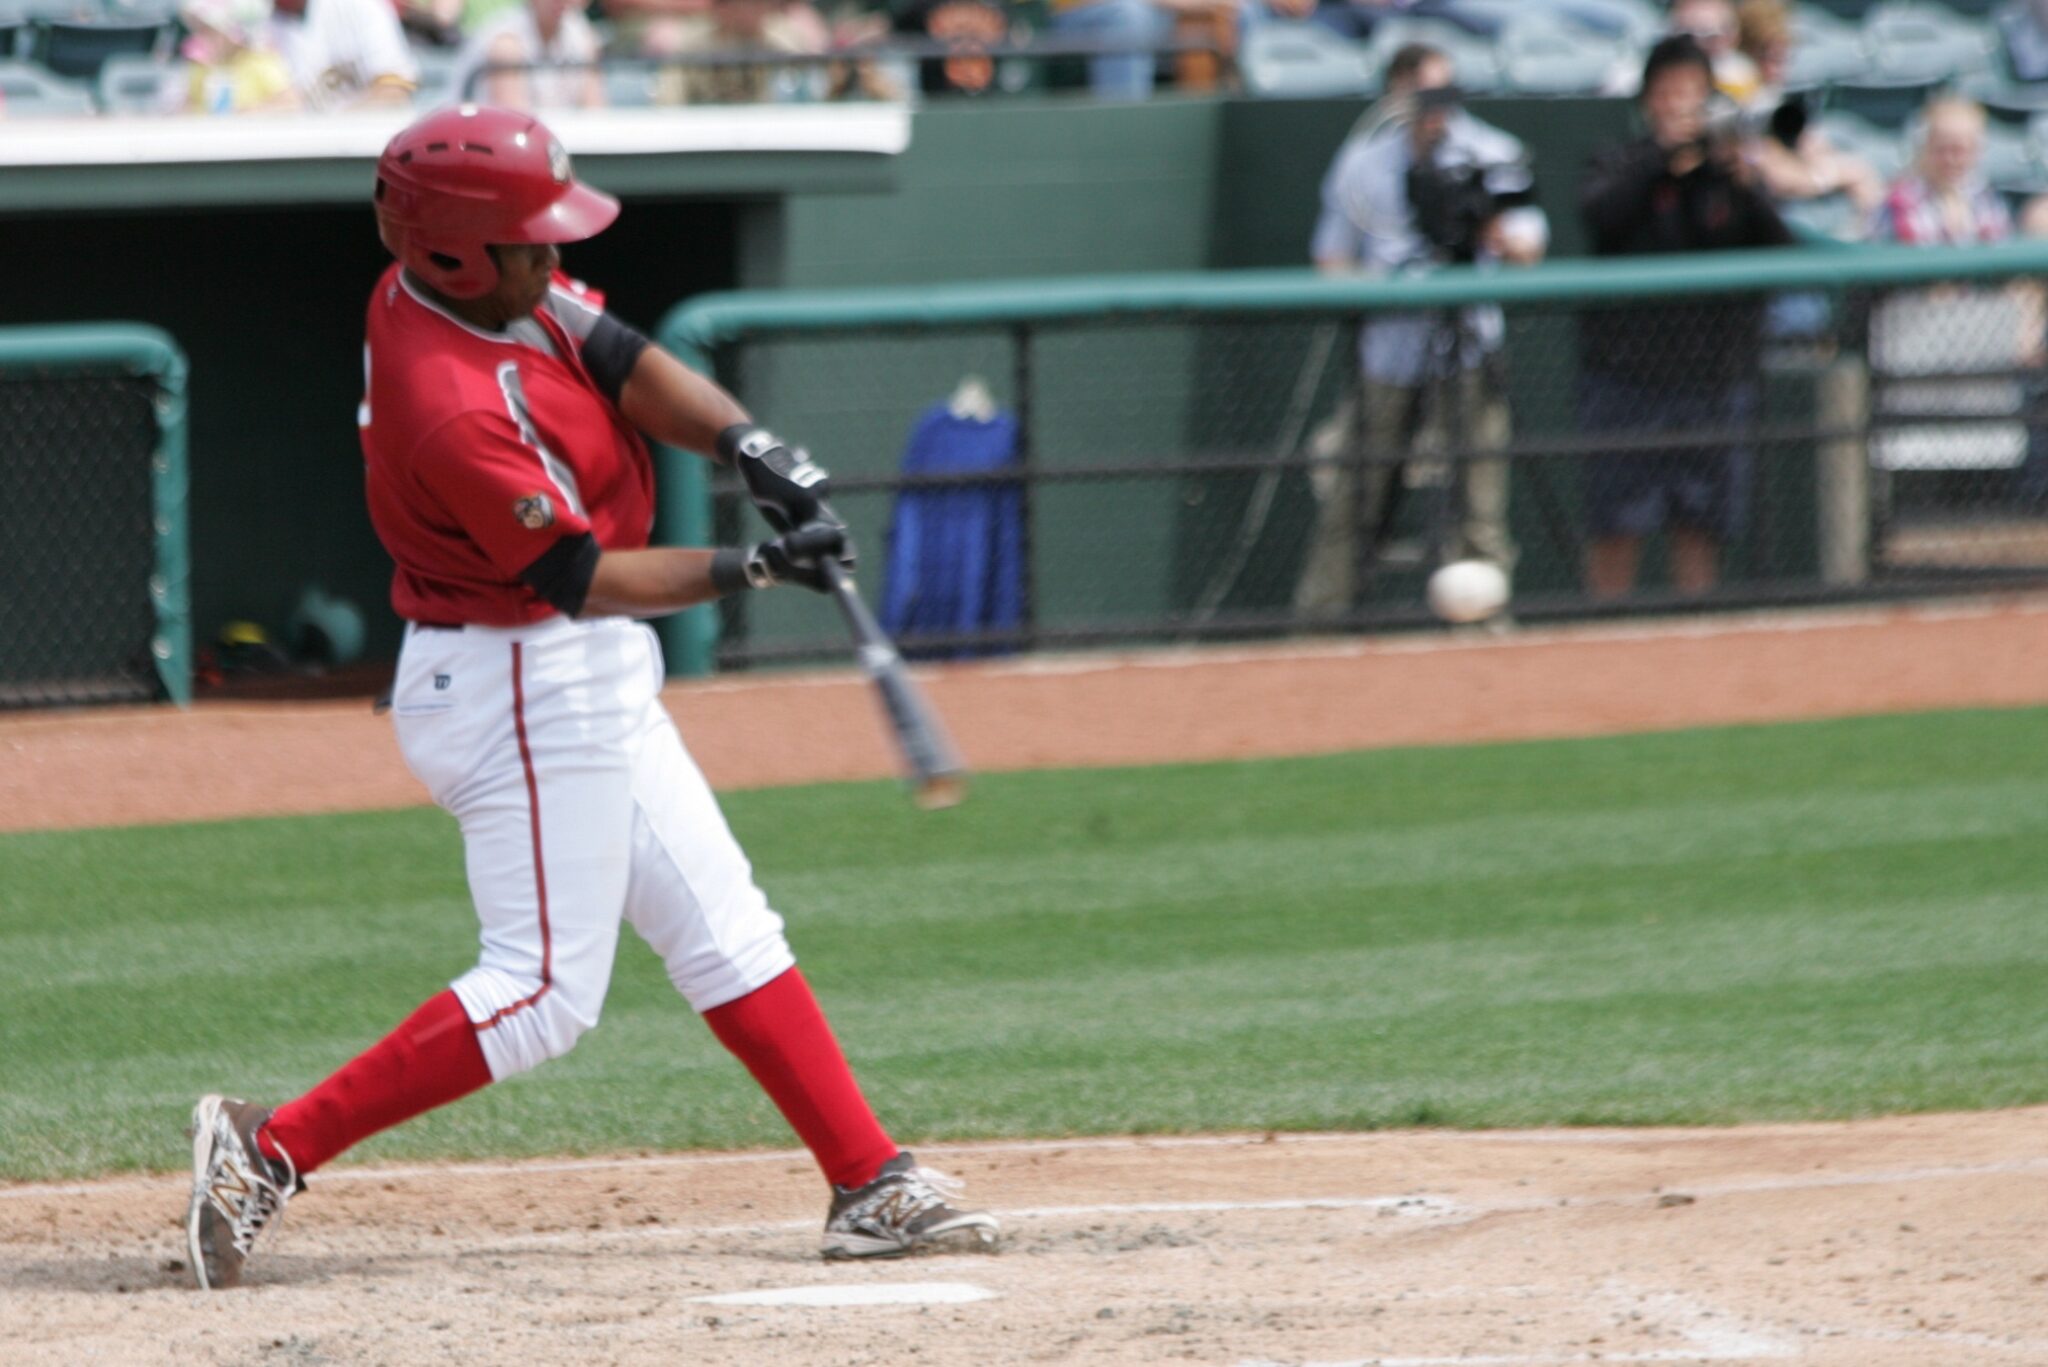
pixel 437 76
pixel 629 85
pixel 1543 54
pixel 1887 152
pixel 1825 49
pixel 1885 105
pixel 131 83
pixel 1998 92
pixel 2011 161
pixel 1636 21
pixel 27 91
pixel 1304 60
pixel 1473 58
pixel 1918 44
pixel 77 50
pixel 142 11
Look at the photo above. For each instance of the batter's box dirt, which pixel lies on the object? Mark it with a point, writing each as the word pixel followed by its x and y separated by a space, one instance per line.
pixel 1873 1244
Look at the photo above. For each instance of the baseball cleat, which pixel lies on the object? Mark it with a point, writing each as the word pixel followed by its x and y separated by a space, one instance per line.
pixel 904 1210
pixel 237 1192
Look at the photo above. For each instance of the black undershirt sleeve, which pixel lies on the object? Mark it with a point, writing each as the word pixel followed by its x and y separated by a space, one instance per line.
pixel 610 352
pixel 563 572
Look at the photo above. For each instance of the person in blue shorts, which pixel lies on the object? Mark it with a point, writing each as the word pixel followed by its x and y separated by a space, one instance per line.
pixel 1676 367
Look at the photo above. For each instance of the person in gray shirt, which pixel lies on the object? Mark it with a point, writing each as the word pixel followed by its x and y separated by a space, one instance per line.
pixel 1400 198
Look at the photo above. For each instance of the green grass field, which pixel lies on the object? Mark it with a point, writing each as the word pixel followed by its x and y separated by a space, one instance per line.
pixel 1778 922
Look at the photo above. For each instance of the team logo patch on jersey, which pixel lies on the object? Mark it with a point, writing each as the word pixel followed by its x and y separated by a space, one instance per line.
pixel 534 512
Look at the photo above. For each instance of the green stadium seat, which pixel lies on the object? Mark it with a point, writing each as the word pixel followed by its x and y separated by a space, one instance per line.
pixel 77 50
pixel 437 76
pixel 1887 106
pixel 1304 60
pixel 1825 48
pixel 28 91
pixel 1886 150
pixel 1917 44
pixel 1473 58
pixel 629 85
pixel 136 84
pixel 1543 54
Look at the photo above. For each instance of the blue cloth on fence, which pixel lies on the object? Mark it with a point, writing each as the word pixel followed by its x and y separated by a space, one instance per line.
pixel 956 555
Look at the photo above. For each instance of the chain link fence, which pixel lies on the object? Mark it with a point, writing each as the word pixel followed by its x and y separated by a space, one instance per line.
pixel 92 543
pixel 1258 454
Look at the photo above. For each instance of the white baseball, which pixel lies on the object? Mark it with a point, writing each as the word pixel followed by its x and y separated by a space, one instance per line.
pixel 1468 591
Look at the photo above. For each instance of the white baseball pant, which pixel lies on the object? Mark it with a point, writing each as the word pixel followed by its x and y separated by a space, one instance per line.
pixel 578 805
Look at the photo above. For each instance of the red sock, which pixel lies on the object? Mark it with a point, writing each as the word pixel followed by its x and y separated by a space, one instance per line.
pixel 781 1035
pixel 429 1060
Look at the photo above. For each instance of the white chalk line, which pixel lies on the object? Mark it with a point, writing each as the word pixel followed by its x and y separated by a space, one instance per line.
pixel 650 1162
pixel 1127 1144
pixel 1434 1207
pixel 1707 1333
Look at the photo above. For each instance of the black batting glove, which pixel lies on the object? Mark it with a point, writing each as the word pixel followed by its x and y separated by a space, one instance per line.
pixel 792 558
pixel 784 482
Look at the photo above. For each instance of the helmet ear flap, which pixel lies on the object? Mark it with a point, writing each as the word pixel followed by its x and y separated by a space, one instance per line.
pixel 464 273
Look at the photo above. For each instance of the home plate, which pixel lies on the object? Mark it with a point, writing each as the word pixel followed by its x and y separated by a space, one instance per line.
pixel 858 1293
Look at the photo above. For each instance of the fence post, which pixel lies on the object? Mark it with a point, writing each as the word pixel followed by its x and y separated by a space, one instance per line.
pixel 682 517
pixel 1021 384
pixel 1843 472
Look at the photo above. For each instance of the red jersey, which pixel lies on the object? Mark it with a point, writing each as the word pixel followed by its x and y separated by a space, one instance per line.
pixel 483 449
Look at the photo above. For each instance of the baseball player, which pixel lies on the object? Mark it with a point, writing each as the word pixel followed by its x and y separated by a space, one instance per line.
pixel 504 430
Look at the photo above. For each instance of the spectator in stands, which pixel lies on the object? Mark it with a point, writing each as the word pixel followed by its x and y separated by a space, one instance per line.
pixel 666 28
pixel 1139 25
pixel 234 66
pixel 969 28
pixel 1944 200
pixel 547 50
pixel 746 26
pixel 1676 367
pixel 1795 159
pixel 1429 382
pixel 344 53
pixel 1713 25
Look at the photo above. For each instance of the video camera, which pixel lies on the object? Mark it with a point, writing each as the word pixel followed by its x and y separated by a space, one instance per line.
pixel 1453 196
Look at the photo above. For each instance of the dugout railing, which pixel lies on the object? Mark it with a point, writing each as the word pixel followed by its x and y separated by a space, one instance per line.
pixel 94 589
pixel 1193 454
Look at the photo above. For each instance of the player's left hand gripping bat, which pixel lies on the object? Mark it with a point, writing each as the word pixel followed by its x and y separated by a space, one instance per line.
pixel 936 776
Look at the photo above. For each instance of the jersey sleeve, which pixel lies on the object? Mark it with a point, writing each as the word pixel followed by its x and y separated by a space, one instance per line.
pixel 497 486
pixel 608 348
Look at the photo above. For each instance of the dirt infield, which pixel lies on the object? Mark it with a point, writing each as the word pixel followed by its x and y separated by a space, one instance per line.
pixel 1880 1243
pixel 1885 1243
pixel 128 765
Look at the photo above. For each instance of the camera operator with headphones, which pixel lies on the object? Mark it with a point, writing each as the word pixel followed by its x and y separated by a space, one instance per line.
pixel 1419 183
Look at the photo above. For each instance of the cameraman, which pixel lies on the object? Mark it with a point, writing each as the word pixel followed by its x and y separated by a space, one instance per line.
pixel 1673 366
pixel 1419 183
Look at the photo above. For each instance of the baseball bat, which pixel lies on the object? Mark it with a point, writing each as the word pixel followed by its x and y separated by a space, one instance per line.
pixel 937 777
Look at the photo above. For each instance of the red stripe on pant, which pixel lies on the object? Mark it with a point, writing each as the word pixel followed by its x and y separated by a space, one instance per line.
pixel 433 1057
pixel 540 868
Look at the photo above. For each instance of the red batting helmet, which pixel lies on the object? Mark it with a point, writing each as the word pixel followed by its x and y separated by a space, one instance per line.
pixel 464 178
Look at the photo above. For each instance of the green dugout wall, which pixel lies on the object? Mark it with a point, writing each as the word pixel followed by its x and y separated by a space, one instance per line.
pixel 262 278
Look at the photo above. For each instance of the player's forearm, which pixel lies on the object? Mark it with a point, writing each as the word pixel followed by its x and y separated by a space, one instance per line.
pixel 649 583
pixel 675 405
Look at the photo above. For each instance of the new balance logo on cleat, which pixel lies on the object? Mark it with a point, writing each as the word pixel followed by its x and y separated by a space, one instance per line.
pixel 906 1209
pixel 237 1193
